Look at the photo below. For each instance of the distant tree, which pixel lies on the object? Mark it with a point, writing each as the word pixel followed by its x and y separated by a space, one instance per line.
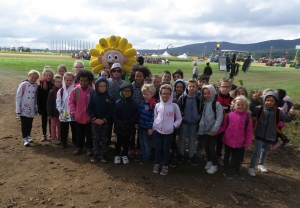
pixel 27 50
pixel 263 55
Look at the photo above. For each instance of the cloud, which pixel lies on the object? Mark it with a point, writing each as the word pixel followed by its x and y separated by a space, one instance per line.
pixel 147 24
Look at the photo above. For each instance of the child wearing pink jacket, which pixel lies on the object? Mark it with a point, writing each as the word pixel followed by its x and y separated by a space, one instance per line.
pixel 78 102
pixel 237 126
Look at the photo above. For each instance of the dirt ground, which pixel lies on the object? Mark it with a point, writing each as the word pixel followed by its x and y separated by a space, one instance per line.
pixel 44 175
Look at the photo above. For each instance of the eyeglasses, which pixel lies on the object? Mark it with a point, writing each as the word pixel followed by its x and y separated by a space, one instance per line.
pixel 226 87
pixel 114 71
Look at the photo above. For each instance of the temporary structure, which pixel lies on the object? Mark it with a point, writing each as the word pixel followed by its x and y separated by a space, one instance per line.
pixel 183 56
pixel 165 54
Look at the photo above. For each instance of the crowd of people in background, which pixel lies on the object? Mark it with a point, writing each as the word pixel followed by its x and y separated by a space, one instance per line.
pixel 154 118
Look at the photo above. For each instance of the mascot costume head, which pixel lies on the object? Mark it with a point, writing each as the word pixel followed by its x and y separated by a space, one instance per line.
pixel 113 49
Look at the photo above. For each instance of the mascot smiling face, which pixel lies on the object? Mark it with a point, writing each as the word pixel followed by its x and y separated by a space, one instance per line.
pixel 112 50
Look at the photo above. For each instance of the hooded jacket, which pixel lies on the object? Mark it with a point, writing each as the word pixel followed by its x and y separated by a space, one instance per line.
pixel 167 116
pixel 114 85
pixel 209 120
pixel 42 95
pixel 266 128
pixel 51 102
pixel 125 113
pixel 101 105
pixel 175 95
pixel 236 134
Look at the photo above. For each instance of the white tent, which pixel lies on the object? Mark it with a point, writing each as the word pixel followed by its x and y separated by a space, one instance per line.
pixel 154 54
pixel 183 56
pixel 165 54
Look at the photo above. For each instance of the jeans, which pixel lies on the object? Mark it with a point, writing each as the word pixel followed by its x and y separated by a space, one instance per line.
pixel 261 150
pixel 210 145
pixel 163 145
pixel 191 130
pixel 145 143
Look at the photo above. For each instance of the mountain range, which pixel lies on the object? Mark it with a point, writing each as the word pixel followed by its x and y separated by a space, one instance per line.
pixel 280 48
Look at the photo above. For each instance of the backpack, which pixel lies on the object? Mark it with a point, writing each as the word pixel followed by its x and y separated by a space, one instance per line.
pixel 289 105
pixel 183 101
pixel 77 91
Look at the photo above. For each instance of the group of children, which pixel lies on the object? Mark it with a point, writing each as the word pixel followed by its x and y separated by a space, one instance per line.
pixel 152 117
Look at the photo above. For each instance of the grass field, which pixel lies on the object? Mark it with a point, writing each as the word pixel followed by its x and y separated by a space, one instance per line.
pixel 258 77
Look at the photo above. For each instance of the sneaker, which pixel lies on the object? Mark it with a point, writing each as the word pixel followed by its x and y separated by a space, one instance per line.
pixel 103 158
pixel 251 172
pixel 262 168
pixel 138 158
pixel 95 158
pixel 192 160
pixel 240 175
pixel 89 152
pixel 145 161
pixel 56 141
pixel 117 159
pixel 275 146
pixel 220 162
pixel 173 162
pixel 164 170
pixel 77 151
pixel 43 138
pixel 208 165
pixel 199 154
pixel 288 143
pixel 63 145
pixel 29 139
pixel 132 153
pixel 212 169
pixel 156 168
pixel 179 158
pixel 228 175
pixel 26 142
pixel 125 160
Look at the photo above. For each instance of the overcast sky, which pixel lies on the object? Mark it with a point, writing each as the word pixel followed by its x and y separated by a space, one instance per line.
pixel 147 24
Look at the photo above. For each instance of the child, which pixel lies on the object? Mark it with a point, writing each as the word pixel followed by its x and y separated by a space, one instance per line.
pixel 238 135
pixel 145 122
pixel 265 131
pixel 156 81
pixel 189 107
pixel 100 110
pixel 167 117
pixel 46 85
pixel 166 77
pixel 209 125
pixel 196 70
pixel 241 91
pixel 124 118
pixel 62 106
pixel 78 102
pixel 77 66
pixel 104 73
pixel 61 70
pixel 26 107
pixel 177 74
pixel 224 98
pixel 139 73
pixel 202 81
pixel 52 112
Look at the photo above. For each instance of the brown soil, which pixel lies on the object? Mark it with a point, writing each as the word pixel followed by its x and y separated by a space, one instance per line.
pixel 44 175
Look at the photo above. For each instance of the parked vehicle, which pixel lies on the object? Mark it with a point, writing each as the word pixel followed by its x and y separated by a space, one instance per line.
pixel 297 65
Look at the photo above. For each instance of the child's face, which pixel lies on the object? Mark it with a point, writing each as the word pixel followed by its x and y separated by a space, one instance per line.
pixel 156 83
pixel 69 80
pixel 147 95
pixel 179 88
pixel 61 71
pixel 177 76
pixel 240 106
pixel 201 83
pixel 104 74
pixel 241 92
pixel 126 92
pixel 139 78
pixel 116 72
pixel 192 87
pixel 102 87
pixel 58 82
pixel 165 95
pixel 77 67
pixel 48 76
pixel 270 102
pixel 206 94
pixel 148 80
pixel 225 88
pixel 84 82
pixel 166 77
pixel 32 78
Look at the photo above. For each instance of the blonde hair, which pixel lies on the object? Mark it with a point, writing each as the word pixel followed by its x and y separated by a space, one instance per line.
pixel 156 77
pixel 78 61
pixel 165 86
pixel 241 98
pixel 149 88
pixel 62 66
pixel 47 69
pixel 69 74
pixel 56 76
pixel 34 72
pixel 225 80
pixel 192 81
